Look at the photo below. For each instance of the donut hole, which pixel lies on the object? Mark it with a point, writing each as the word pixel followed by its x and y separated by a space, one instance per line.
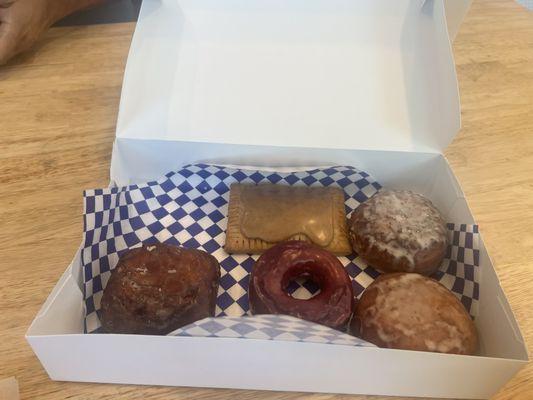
pixel 302 287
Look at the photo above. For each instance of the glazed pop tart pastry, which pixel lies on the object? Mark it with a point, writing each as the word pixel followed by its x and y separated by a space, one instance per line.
pixel 263 215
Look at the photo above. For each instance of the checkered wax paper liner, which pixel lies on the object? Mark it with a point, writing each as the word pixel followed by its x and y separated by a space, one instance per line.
pixel 269 327
pixel 189 208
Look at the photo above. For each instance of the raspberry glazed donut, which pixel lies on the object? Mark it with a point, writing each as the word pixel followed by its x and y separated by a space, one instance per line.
pixel 285 262
pixel 399 231
pixel 412 312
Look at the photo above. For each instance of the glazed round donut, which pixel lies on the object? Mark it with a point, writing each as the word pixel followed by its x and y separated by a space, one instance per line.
pixel 285 262
pixel 399 231
pixel 409 311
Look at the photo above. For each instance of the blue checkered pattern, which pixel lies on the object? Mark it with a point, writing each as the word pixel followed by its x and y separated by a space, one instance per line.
pixel 268 327
pixel 459 271
pixel 189 208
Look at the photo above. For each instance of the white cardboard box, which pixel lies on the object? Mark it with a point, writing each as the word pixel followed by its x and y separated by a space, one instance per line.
pixel 289 83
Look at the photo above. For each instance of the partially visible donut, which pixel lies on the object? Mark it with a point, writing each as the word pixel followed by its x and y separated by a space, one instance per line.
pixel 412 312
pixel 285 262
pixel 399 231
pixel 158 288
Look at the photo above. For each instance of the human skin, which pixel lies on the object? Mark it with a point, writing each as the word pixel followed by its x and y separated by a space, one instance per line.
pixel 22 22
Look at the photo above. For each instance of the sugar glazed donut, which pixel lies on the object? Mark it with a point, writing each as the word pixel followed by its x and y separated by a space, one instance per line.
pixel 156 289
pixel 399 231
pixel 412 312
pixel 285 262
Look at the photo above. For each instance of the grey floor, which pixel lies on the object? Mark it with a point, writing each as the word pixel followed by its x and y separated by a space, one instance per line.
pixel 114 11
pixel 128 10
pixel 526 3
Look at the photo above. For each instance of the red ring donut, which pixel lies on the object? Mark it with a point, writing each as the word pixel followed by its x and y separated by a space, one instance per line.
pixel 281 264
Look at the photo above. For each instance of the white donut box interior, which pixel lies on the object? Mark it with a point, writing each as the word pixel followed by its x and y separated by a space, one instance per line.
pixel 289 83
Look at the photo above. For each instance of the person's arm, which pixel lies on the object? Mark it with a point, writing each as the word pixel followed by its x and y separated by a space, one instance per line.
pixel 22 22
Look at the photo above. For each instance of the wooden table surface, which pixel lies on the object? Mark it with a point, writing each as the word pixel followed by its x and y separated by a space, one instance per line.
pixel 58 108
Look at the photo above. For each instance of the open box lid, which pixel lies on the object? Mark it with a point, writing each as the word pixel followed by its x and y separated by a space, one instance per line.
pixel 366 74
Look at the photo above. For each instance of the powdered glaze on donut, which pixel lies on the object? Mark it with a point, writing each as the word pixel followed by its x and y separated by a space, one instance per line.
pixel 412 312
pixel 403 228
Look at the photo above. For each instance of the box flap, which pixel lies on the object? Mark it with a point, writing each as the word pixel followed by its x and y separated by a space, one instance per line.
pixel 455 12
pixel 345 74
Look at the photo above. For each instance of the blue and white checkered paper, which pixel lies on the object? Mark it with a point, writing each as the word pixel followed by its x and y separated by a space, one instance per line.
pixel 268 327
pixel 189 208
